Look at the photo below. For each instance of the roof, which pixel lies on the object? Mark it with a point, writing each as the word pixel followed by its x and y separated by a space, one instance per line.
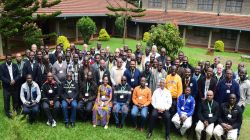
pixel 78 8
pixel 211 20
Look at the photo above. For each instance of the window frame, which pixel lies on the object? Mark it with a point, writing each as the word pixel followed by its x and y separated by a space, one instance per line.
pixel 154 3
pixel 233 7
pixel 179 4
pixel 205 3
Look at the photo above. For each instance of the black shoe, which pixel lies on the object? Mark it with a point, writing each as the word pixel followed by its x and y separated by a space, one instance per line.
pixel 167 138
pixel 67 125
pixel 121 125
pixel 73 125
pixel 117 125
pixel 149 135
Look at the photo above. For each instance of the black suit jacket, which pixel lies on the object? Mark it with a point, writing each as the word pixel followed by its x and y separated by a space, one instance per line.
pixel 97 76
pixel 5 76
pixel 36 72
pixel 201 86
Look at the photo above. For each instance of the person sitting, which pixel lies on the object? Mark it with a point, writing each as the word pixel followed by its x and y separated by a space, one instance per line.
pixel 161 102
pixel 50 99
pixel 30 96
pixel 141 99
pixel 69 96
pixel 102 106
pixel 185 109
pixel 230 119
pixel 87 96
pixel 122 97
pixel 208 113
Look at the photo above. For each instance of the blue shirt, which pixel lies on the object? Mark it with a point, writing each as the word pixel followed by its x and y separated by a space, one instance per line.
pixel 185 105
pixel 133 78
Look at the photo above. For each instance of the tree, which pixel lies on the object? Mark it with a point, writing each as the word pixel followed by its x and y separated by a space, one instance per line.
pixel 126 13
pixel 18 17
pixel 86 27
pixel 167 36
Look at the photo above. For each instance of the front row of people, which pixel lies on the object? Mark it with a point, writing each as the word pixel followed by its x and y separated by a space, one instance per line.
pixel 214 119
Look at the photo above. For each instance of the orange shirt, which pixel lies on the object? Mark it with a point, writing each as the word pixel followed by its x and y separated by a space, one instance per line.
pixel 142 96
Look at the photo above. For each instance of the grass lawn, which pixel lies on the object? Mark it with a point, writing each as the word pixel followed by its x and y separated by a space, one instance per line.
pixel 84 130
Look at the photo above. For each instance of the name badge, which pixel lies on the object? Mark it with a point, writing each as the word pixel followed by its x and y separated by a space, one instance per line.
pixel 191 84
pixel 146 84
pixel 69 91
pixel 140 97
pixel 50 91
pixel 86 94
pixel 229 116
pixel 121 96
pixel 182 108
pixel 60 71
pixel 103 97
pixel 228 91
pixel 132 80
pixel 100 80
pixel 210 115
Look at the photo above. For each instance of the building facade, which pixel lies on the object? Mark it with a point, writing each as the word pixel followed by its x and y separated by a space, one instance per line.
pixel 201 22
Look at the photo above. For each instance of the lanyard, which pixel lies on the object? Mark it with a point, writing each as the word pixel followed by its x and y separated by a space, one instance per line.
pixel 88 85
pixel 210 106
pixel 132 73
pixel 185 101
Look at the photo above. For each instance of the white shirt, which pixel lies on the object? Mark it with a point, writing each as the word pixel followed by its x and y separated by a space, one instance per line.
pixel 162 99
pixel 10 71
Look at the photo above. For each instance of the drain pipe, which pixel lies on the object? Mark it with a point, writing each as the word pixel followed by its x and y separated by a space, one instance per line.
pixel 218 9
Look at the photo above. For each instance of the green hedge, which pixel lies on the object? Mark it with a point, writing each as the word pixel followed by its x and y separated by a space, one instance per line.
pixel 219 46
pixel 103 35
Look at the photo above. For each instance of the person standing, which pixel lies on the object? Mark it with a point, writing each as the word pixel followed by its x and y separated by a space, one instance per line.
pixel 132 74
pixel 59 70
pixel 10 76
pixel 244 84
pixel 161 102
pixel 208 114
pixel 117 72
pixel 141 99
pixel 157 75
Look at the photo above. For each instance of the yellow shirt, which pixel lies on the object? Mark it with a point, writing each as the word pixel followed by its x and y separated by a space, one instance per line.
pixel 174 84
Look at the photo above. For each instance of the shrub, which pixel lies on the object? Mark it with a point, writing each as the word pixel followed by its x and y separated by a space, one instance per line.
pixel 63 40
pixel 86 27
pixel 219 46
pixel 146 37
pixel 167 36
pixel 119 25
pixel 103 35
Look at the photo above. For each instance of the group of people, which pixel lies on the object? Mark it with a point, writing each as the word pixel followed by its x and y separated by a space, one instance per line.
pixel 96 83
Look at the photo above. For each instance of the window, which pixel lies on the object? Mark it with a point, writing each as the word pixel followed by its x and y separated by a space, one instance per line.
pixel 201 32
pixel 229 34
pixel 234 6
pixel 180 4
pixel 206 5
pixel 154 3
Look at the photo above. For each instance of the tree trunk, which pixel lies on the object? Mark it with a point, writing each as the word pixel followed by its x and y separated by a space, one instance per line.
pixel 125 23
pixel 6 45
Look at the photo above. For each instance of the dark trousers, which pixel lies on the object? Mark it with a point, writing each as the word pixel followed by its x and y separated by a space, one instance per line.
pixel 32 111
pixel 166 118
pixel 84 109
pixel 7 93
pixel 55 110
pixel 173 109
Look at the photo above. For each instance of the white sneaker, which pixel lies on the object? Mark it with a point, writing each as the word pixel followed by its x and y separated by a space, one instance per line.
pixel 48 123
pixel 106 126
pixel 94 125
pixel 53 124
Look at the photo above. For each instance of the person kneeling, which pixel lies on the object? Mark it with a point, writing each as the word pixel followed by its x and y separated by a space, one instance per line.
pixel 161 102
pixel 122 97
pixel 230 119
pixel 50 99
pixel 69 95
pixel 30 96
pixel 208 113
pixel 141 99
pixel 185 109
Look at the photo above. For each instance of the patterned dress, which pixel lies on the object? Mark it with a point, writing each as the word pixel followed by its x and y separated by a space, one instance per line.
pixel 101 113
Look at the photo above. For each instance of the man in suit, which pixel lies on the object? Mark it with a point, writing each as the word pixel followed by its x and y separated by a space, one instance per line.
pixel 32 67
pixel 101 72
pixel 9 75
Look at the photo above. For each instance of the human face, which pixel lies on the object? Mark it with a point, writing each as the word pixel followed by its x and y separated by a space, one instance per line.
pixel 34 48
pixel 159 66
pixel 197 70
pixel 152 58
pixel 187 91
pixel 209 72
pixel 46 49
pixel 163 52
pixel 210 95
pixel 139 58
pixel 111 57
pixel 119 63
pixel 143 81
pixel 155 65
pixel 147 66
pixel 102 64
pixel 75 58
pixel 58 49
pixel 59 58
pixel 180 55
pixel 177 63
pixel 229 74
pixel 162 84
pixel 102 53
pixel 31 57
pixel 168 61
pixel 207 65
pixel 105 80
pixel 90 76
pixel 39 55
pixel 132 65
pixel 29 79
pixel 123 80
pixel 49 77
pixel 69 76
pixel 86 61
pixel 8 60
pixel 232 99
pixel 99 46
pixel 242 75
pixel 18 57
pixel 187 73
pixel 228 65
pixel 173 70
pixel 147 51
pixel 97 58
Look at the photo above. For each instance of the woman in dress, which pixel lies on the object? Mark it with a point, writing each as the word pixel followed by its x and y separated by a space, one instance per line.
pixel 103 105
